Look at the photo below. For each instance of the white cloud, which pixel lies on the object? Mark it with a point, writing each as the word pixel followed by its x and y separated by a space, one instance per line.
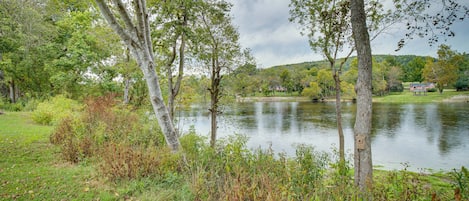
pixel 265 29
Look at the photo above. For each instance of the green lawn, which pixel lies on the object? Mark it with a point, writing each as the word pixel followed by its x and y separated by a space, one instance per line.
pixel 409 97
pixel 31 168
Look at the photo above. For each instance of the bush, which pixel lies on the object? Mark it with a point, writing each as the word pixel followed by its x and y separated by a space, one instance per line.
pixel 431 90
pixel 122 161
pixel 397 88
pixel 52 111
pixel 101 123
pixel 15 107
pixel 461 183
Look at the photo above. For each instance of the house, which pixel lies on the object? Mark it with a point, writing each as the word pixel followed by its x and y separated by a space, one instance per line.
pixel 418 88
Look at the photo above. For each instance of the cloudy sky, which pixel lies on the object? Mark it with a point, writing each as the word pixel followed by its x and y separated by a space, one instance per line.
pixel 265 29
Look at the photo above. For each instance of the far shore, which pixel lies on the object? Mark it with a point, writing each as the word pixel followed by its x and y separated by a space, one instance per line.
pixel 458 98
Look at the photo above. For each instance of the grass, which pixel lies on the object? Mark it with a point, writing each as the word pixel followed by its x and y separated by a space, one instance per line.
pixel 30 168
pixel 409 97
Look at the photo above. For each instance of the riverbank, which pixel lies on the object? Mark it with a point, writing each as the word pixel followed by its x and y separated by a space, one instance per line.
pixel 32 169
pixel 448 96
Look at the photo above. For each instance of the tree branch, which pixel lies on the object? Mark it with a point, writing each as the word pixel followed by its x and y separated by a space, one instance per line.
pixel 109 16
pixel 125 14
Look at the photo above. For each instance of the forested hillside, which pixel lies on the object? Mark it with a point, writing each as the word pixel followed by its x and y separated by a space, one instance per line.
pixel 389 71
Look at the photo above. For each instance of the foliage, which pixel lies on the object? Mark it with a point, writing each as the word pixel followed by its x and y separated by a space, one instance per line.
pixel 123 161
pixel 405 185
pixel 103 124
pixel 54 110
pixel 420 19
pixel 461 183
pixel 444 71
pixel 313 91
pixel 31 170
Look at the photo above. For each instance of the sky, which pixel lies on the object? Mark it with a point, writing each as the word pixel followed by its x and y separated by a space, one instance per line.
pixel 265 29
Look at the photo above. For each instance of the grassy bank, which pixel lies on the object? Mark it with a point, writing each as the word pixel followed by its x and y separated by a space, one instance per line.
pixel 449 95
pixel 33 169
pixel 430 97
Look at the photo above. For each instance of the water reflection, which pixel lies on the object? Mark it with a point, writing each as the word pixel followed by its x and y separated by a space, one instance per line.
pixel 424 135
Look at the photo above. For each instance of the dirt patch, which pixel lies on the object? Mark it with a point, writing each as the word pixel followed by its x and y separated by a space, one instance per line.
pixel 458 99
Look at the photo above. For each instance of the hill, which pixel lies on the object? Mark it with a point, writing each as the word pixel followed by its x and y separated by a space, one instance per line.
pixel 400 60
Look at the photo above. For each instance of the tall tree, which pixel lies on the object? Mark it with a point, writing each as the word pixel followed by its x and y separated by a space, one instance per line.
pixel 444 71
pixel 25 34
pixel 362 128
pixel 173 28
pixel 132 24
pixel 326 22
pixel 418 23
pixel 413 70
pixel 218 49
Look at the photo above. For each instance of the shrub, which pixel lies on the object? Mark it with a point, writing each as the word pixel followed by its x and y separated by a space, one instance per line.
pixel 431 90
pixel 461 183
pixel 15 107
pixel 52 111
pixel 122 161
pixel 103 122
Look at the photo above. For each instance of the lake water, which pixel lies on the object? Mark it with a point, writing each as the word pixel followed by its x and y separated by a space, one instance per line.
pixel 434 136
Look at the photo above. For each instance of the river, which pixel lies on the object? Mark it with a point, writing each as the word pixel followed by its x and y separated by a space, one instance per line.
pixel 424 136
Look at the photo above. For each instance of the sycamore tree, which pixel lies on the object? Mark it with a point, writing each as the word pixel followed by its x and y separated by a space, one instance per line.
pixel 131 21
pixel 218 49
pixel 443 72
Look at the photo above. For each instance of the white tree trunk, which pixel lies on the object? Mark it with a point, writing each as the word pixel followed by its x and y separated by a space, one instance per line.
pixel 136 36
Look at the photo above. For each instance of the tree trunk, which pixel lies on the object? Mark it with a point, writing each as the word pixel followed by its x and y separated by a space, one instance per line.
pixel 126 80
pixel 174 88
pixel 126 90
pixel 214 96
pixel 161 111
pixel 362 128
pixel 213 121
pixel 338 112
pixel 13 91
pixel 135 33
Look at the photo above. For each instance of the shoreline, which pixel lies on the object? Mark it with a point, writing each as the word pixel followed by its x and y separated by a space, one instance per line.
pixel 460 98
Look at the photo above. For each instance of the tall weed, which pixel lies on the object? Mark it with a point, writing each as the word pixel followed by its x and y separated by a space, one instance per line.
pixel 102 122
pixel 461 183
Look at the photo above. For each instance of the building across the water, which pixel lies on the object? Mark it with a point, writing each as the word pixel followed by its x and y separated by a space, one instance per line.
pixel 419 88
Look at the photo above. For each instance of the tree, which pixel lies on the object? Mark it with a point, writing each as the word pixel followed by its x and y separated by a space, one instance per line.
pixel 326 22
pixel 379 83
pixel 413 70
pixel 173 28
pixel 393 77
pixel 444 71
pixel 25 36
pixel 413 12
pixel 286 80
pixel 136 35
pixel 313 91
pixel 85 44
pixel 218 49
pixel 362 128
pixel 428 19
